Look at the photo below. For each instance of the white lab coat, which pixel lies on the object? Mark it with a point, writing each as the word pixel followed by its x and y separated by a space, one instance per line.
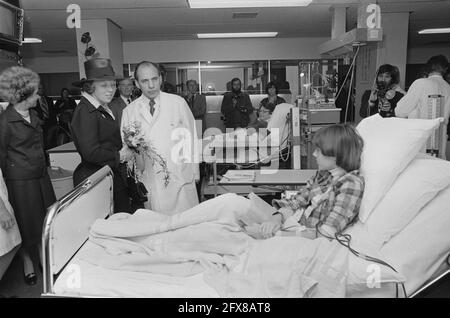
pixel 415 102
pixel 171 112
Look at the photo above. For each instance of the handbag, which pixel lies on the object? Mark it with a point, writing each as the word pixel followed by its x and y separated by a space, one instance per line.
pixel 136 189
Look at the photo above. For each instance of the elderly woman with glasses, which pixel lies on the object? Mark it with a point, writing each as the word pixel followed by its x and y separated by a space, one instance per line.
pixel 95 131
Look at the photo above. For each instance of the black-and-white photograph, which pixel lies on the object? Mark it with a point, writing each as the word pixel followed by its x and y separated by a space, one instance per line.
pixel 225 153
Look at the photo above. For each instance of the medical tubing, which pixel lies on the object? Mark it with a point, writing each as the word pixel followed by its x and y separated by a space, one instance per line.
pixel 344 239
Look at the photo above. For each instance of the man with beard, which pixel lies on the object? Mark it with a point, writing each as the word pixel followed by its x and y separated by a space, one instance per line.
pixel 383 98
pixel 237 107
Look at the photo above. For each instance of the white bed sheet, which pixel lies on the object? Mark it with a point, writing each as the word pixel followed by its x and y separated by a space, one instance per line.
pixel 82 279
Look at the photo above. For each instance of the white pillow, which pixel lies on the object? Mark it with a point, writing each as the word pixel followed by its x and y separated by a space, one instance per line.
pixel 419 250
pixel 389 146
pixel 417 185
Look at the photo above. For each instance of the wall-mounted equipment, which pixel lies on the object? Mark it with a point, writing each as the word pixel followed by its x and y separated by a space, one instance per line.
pixel 11 24
pixel 344 43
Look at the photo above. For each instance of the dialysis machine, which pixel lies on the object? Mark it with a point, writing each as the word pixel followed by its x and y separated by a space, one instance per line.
pixel 318 86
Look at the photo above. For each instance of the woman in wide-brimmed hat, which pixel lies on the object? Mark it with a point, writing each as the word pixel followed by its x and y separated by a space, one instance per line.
pixel 96 133
pixel 22 160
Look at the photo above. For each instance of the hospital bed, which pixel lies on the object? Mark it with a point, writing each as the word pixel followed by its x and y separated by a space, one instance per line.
pixel 67 274
pixel 239 149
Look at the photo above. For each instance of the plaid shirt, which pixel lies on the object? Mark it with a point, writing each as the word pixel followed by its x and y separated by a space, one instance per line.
pixel 331 198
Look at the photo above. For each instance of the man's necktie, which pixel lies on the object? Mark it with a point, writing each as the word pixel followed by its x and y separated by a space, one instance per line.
pixel 128 100
pixel 152 105
pixel 44 107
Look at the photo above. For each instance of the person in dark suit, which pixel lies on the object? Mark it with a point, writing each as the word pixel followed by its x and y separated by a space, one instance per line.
pixel 65 103
pixel 237 107
pixel 196 102
pixel 22 160
pixel 46 112
pixel 96 132
pixel 125 87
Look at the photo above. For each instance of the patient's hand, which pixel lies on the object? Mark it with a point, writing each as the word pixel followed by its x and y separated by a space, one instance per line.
pixel 262 231
pixel 308 233
pixel 268 229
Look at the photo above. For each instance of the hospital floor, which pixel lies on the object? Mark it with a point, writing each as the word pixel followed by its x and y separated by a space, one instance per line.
pixel 13 283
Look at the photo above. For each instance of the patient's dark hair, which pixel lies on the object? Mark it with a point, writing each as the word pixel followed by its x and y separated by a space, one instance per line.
pixel 343 142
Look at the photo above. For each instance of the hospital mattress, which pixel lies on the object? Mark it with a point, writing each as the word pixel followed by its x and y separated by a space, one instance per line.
pixel 83 279
pixel 80 278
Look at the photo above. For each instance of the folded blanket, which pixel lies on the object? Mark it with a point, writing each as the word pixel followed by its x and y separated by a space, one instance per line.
pixel 209 238
pixel 205 236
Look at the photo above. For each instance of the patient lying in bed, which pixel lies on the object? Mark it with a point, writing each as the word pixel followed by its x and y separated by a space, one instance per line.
pixel 330 201
pixel 221 226
pixel 216 237
pixel 270 129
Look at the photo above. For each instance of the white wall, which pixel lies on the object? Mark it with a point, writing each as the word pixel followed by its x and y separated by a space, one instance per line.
pixel 420 55
pixel 222 50
pixel 394 47
pixel 60 64
pixel 219 78
pixel 195 50
pixel 219 50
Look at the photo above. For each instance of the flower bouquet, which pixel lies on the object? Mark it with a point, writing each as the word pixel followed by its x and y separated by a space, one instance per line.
pixel 135 140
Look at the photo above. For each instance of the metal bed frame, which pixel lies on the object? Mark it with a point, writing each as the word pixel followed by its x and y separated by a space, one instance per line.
pixel 56 255
pixel 52 266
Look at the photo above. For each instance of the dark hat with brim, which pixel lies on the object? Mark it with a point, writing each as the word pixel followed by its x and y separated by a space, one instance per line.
pixel 97 69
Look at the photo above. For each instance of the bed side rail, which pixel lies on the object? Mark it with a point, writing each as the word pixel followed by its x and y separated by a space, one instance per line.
pixel 68 221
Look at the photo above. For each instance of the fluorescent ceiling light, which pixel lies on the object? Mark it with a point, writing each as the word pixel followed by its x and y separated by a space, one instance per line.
pixel 31 40
pixel 197 4
pixel 435 31
pixel 237 35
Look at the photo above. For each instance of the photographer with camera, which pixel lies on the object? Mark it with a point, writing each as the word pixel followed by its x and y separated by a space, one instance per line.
pixel 383 98
pixel 237 107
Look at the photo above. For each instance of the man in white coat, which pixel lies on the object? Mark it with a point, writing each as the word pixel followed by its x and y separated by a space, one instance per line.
pixel 414 103
pixel 168 124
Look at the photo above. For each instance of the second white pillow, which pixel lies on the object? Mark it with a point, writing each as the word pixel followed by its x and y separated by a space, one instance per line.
pixel 417 185
pixel 390 144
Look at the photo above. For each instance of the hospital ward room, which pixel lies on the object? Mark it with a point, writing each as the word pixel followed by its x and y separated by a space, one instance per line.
pixel 177 149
